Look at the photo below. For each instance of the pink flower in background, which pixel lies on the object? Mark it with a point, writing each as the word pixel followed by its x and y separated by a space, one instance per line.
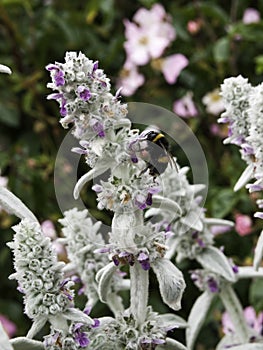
pixel 130 80
pixel 146 17
pixel 148 36
pixel 48 229
pixel 185 106
pixel 251 15
pixel 144 43
pixel 172 66
pixel 8 326
pixel 253 321
pixel 194 26
pixel 243 224
pixel 213 102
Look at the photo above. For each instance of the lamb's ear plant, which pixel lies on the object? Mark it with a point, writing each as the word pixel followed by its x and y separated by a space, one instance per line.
pixel 154 219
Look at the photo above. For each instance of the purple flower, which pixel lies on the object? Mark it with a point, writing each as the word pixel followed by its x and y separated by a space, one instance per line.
pixel 212 285
pixel 58 74
pixel 84 93
pixel 80 337
pixel 97 127
pixel 95 66
pixel 144 261
pixel 96 323
pixel 63 110
pixel 149 200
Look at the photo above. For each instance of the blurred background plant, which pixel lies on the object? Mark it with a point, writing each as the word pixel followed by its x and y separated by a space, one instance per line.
pixel 208 41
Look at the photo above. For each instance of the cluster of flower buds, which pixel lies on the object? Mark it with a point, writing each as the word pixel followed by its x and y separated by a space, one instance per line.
pixel 245 124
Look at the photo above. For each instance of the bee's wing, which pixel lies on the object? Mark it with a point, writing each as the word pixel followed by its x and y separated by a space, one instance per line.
pixel 171 160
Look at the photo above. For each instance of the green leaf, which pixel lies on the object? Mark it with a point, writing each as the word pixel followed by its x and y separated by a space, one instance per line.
pixel 9 115
pixel 221 50
pixel 255 293
pixel 223 202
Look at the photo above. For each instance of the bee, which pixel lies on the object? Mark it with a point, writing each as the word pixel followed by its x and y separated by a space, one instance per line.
pixel 158 152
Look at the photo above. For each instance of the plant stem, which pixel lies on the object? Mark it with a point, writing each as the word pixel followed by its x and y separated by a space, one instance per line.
pixel 235 311
pixel 139 292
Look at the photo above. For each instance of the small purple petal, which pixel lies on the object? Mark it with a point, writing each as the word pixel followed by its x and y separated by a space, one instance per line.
pixel 254 187
pixel 81 291
pixel 134 158
pixel 259 215
pixel 154 190
pixel 78 150
pixel 248 150
pixel 235 268
pixel 84 93
pixel 95 66
pixel 97 188
pixel 102 250
pixel 115 260
pixel 55 96
pixel 159 341
pixel 200 242
pixel 212 285
pixel 144 261
pixel 124 254
pixel 51 67
pixel 63 110
pixel 96 323
pixel 98 127
pixel 87 310
pixel 149 200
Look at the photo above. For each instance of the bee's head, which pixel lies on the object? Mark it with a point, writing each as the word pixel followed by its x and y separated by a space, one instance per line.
pixel 151 135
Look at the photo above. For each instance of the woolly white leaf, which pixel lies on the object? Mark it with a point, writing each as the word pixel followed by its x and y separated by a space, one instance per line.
pixel 77 315
pixel 23 343
pixel 258 252
pixel 220 222
pixel 197 188
pixel 171 344
pixel 171 282
pixel 37 325
pixel 166 204
pixel 197 317
pixel 104 280
pixel 170 320
pixel 192 219
pixel 5 69
pixel 244 178
pixel 96 171
pixel 227 341
pixel 13 205
pixel 248 346
pixel 214 260
pixel 249 272
pixel 4 340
